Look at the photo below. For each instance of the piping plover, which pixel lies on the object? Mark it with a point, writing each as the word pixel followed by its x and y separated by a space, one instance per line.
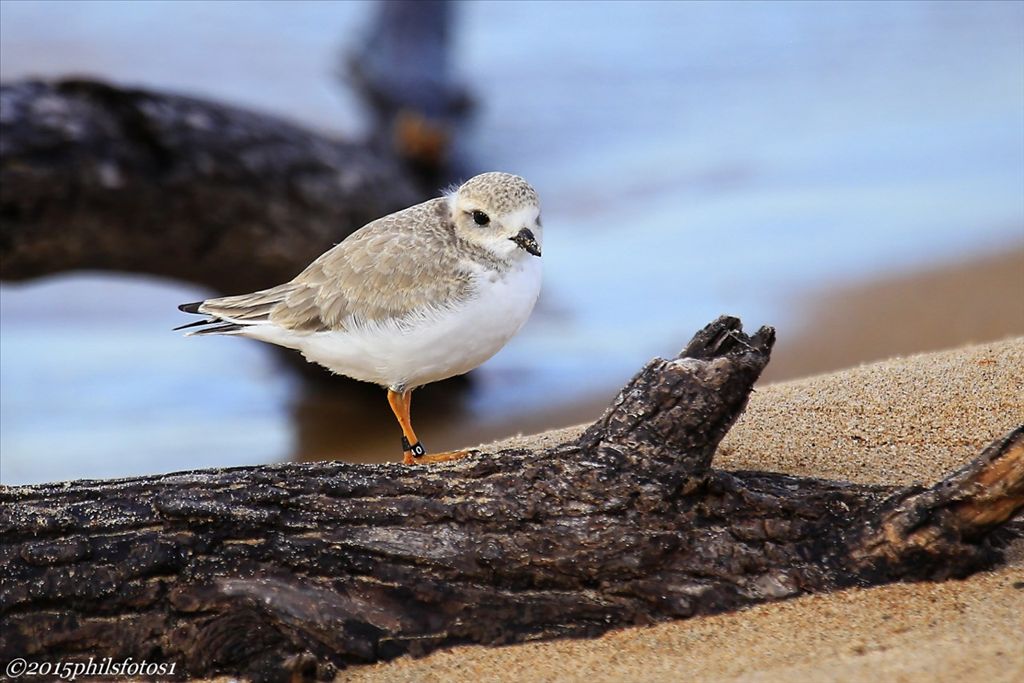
pixel 418 296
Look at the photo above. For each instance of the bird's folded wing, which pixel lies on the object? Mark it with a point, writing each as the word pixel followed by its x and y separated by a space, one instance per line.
pixel 396 267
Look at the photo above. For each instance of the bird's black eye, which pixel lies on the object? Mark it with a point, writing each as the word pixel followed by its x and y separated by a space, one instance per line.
pixel 481 218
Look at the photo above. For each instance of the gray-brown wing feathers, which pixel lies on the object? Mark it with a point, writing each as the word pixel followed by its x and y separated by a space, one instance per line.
pixel 391 268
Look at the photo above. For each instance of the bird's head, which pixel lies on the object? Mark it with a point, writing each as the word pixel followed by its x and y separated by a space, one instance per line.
pixel 499 212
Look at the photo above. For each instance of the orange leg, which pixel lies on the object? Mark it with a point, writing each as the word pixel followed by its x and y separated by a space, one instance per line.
pixel 414 453
pixel 401 404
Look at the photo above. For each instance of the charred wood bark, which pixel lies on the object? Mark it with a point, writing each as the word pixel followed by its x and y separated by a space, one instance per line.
pixel 282 570
pixel 94 176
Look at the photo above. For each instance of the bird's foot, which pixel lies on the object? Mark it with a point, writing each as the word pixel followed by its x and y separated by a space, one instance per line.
pixel 411 459
pixel 415 454
pixel 438 457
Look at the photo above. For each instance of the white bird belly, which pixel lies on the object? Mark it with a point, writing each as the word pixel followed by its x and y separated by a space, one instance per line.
pixel 441 344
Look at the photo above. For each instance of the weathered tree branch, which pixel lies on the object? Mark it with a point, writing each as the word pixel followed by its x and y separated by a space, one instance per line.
pixel 276 570
pixel 94 176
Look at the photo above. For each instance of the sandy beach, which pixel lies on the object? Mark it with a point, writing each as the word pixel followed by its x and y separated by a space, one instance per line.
pixel 901 421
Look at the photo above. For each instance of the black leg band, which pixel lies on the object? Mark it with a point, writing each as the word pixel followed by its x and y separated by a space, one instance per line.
pixel 417 449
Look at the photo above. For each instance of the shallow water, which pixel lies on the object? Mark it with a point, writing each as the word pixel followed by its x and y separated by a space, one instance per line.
pixel 692 159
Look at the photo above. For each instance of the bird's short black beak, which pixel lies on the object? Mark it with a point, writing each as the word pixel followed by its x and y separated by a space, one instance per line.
pixel 525 239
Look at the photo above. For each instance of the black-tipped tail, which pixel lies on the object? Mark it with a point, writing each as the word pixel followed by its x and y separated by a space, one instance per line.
pixel 194 324
pixel 219 327
pixel 214 325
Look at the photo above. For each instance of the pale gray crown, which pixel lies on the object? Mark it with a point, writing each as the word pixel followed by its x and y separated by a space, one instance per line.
pixel 502 192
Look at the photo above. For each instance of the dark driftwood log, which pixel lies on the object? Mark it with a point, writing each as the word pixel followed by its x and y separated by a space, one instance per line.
pixel 94 176
pixel 292 569
pixel 100 177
